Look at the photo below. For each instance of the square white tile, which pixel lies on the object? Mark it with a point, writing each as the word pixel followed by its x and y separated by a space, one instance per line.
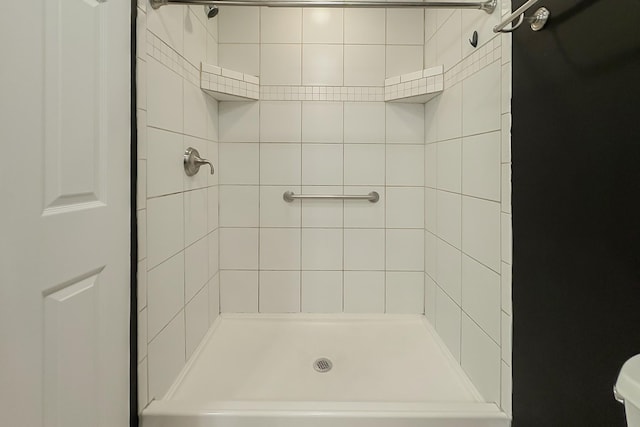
pixel 405 165
pixel 405 292
pixel 481 231
pixel 239 121
pixel 165 294
pixel 405 207
pixel 481 166
pixel 239 206
pixel 364 26
pixel 364 291
pixel 322 65
pixel 402 59
pixel 280 64
pixel 280 291
pixel 240 57
pixel 166 357
pixel 322 291
pixel 239 248
pixel 280 249
pixel 238 291
pixel 322 213
pixel 196 271
pixel 405 123
pixel 481 296
pixel 322 249
pixel 280 25
pixel 448 322
pixel 481 360
pixel 481 105
pixel 405 250
pixel 364 122
pixel 280 121
pixel 165 228
pixel 449 218
pixel 239 163
pixel 359 214
pixel 322 122
pixel 322 164
pixel 164 162
pixel 364 164
pixel 405 26
pixel 240 25
pixel 280 164
pixel 364 249
pixel 275 211
pixel 195 215
pixel 449 270
pixel 449 167
pixel 197 320
pixel 364 65
pixel 322 25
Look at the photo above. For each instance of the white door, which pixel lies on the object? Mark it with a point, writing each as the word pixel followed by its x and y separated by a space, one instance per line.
pixel 64 213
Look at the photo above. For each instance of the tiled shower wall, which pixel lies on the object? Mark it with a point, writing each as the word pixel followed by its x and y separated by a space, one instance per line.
pixel 321 256
pixel 177 215
pixel 468 197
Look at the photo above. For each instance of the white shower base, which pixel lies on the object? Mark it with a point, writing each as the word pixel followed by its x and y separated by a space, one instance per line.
pixel 257 371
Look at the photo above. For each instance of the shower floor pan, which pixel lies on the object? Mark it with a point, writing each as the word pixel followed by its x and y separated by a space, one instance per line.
pixel 263 371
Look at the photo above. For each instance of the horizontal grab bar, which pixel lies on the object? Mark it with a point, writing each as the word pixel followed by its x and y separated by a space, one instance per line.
pixel 290 196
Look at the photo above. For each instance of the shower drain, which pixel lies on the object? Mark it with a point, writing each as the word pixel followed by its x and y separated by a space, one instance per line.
pixel 322 365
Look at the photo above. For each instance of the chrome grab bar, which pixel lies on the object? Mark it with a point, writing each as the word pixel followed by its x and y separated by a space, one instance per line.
pixel 538 20
pixel 488 5
pixel 290 196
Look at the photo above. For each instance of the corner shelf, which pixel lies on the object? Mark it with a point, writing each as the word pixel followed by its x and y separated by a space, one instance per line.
pixel 418 87
pixel 228 85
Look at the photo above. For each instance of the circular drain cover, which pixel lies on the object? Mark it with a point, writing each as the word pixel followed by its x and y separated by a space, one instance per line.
pixel 322 365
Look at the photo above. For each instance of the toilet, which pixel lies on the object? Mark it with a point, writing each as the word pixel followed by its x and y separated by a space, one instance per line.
pixel 627 390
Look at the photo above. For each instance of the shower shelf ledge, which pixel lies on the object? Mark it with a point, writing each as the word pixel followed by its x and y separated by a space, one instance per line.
pixel 228 85
pixel 418 87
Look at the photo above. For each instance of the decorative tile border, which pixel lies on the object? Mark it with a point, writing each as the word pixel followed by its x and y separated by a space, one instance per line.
pixel 228 85
pixel 419 86
pixel 483 56
pixel 171 59
pixel 322 93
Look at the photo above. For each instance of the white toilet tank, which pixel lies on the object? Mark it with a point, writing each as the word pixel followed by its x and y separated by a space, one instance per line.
pixel 627 390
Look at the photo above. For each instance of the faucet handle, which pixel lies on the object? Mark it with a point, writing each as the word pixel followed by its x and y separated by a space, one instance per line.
pixel 193 161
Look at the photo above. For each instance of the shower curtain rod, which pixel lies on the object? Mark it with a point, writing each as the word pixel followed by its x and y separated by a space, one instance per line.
pixel 488 6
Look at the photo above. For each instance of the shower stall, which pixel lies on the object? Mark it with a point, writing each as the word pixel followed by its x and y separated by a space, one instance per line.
pixel 343 258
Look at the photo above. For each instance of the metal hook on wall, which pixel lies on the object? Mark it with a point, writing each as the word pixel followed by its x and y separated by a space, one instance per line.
pixel 538 20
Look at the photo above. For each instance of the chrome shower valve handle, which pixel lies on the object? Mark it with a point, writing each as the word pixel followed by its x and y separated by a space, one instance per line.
pixel 193 161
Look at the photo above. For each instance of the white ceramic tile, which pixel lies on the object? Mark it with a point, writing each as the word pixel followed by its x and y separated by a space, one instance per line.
pixel 405 26
pixel 430 289
pixel 239 163
pixel 449 113
pixel 214 298
pixel 143 339
pixel 322 213
pixel 280 121
pixel 142 234
pixel 239 248
pixel 448 322
pixel 213 122
pixel 201 179
pixel 165 228
pixel 405 165
pixel 239 206
pixel 481 231
pixel 365 215
pixel 505 198
pixel 405 123
pixel 483 23
pixel 322 164
pixel 213 198
pixel 164 163
pixel 430 254
pixel 274 211
pixel 280 64
pixel 505 98
pixel 195 40
pixel 141 290
pixel 506 389
pixel 240 57
pixel 364 26
pixel 196 272
pixel 279 249
pixel 197 320
pixel 364 291
pixel 322 25
pixel 142 80
pixel 322 64
pixel 364 65
pixel 164 97
pixel 239 121
pixel 195 215
pixel 505 285
pixel 141 34
pixel 141 128
pixel 430 121
pixel 280 25
pixel 506 138
pixel 364 122
pixel 364 249
pixel 322 122
pixel 239 25
pixel 322 291
pixel 403 59
pixel 506 239
pixel 214 252
pixel 141 185
pixel 481 360
pixel 143 381
pixel 430 23
pixel 280 164
pixel 238 291
pixel 449 218
pixel 405 292
pixel 165 293
pixel 195 111
pixel 481 296
pixel 405 207
pixel 405 250
pixel 168 24
pixel 505 341
pixel 449 41
pixel 431 165
pixel 481 166
pixel 212 49
pixel 481 101
pixel 430 210
pixel 166 357
pixel 431 52
pixel 364 164
pixel 322 249
pixel 280 291
pixel 449 167
pixel 449 270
